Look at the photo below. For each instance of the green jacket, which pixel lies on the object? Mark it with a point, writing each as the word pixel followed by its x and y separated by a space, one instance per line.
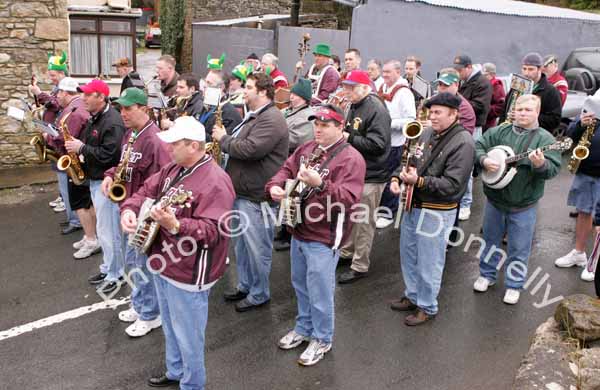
pixel 527 187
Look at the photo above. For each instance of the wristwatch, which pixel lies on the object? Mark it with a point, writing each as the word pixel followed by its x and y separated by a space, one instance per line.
pixel 175 230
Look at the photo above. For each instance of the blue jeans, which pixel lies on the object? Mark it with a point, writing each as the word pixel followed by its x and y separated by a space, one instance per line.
pixel 313 278
pixel 388 199
pixel 143 292
pixel 63 188
pixel 108 230
pixel 184 315
pixel 467 198
pixel 520 227
pixel 254 250
pixel 423 238
pixel 584 193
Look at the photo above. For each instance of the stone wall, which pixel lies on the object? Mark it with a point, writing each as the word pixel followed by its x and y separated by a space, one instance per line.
pixel 28 31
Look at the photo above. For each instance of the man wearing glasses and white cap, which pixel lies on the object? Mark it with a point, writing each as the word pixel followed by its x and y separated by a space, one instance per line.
pixel 550 69
pixel 189 254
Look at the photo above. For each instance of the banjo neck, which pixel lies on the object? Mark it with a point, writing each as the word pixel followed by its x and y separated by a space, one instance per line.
pixel 523 155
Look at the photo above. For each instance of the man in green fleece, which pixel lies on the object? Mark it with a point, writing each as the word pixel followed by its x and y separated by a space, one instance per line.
pixel 513 209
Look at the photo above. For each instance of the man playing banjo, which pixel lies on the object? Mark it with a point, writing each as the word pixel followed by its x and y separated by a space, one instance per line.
pixel 513 208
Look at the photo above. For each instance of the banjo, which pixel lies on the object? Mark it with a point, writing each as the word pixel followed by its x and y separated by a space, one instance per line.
pixel 506 158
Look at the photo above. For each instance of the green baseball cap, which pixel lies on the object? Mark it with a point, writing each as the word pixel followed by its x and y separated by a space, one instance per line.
pixel 132 96
pixel 447 78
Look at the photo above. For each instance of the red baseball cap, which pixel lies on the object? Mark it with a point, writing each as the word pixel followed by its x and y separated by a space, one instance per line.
pixel 357 77
pixel 325 114
pixel 95 86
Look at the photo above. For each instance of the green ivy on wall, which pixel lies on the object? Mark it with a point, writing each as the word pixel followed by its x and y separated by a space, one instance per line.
pixel 172 16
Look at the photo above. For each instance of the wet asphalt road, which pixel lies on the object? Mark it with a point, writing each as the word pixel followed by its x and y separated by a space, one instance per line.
pixel 476 341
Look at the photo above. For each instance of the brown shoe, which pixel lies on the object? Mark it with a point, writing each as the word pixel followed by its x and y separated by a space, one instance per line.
pixel 418 318
pixel 403 304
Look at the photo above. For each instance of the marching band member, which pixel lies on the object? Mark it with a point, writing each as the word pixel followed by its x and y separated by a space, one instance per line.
pixel 237 81
pixel 352 60
pixel 165 68
pixel 400 102
pixel 585 190
pixel 323 76
pixel 77 197
pixel 300 130
pixel 189 254
pixel 513 209
pixel 188 101
pixel 444 164
pixel 374 69
pixel 368 130
pixel 269 65
pixel 559 82
pixel 498 95
pixel 100 149
pixel 57 70
pixel 257 148
pixel 412 68
pixel 314 253
pixel 130 77
pixel 145 157
pixel 229 114
pixel 252 62
pixel 551 107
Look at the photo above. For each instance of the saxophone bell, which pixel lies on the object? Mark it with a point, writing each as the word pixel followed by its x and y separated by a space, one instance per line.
pixel 117 192
pixel 580 152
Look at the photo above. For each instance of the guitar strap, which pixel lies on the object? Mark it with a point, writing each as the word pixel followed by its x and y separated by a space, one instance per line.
pixel 334 153
pixel 532 133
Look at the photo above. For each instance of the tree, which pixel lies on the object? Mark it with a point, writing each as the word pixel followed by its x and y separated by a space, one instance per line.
pixel 172 20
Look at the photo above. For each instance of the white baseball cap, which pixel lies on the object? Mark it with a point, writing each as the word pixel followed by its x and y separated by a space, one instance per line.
pixel 184 127
pixel 68 84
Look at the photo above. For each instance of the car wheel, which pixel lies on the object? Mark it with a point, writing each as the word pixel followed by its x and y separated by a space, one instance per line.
pixel 561 131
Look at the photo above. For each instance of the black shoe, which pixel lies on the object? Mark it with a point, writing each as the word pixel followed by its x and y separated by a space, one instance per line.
pixel 161 381
pixel 109 287
pixel 97 279
pixel 281 245
pixel 63 224
pixel 245 305
pixel 70 229
pixel 234 295
pixel 344 261
pixel 574 214
pixel 351 276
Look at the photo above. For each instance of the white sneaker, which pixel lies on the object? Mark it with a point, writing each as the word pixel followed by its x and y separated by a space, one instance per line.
pixel 59 208
pixel 572 258
pixel 291 340
pixel 79 244
pixel 141 328
pixel 129 315
pixel 382 222
pixel 55 202
pixel 89 248
pixel 511 296
pixel 315 351
pixel 586 275
pixel 464 213
pixel 482 284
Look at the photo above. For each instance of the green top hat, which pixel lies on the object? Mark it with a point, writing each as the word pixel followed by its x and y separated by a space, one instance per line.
pixel 215 63
pixel 242 71
pixel 58 63
pixel 132 96
pixel 323 50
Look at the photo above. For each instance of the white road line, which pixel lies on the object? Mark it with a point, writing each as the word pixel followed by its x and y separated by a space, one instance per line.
pixel 58 318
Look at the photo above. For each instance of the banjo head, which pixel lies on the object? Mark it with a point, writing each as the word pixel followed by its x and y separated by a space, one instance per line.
pixel 498 154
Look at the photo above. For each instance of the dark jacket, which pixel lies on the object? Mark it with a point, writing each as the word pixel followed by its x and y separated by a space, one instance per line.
pixel 343 179
pixel 102 142
pixel 369 124
pixel 229 114
pixel 170 89
pixel 132 80
pixel 445 180
pixel 551 110
pixel 193 106
pixel 478 91
pixel 201 245
pixel 257 152
pixel 591 165
pixel 497 105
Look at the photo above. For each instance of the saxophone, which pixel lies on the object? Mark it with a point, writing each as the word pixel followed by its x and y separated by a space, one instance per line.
pixel 213 148
pixel 117 191
pixel 582 150
pixel 70 161
pixel 511 108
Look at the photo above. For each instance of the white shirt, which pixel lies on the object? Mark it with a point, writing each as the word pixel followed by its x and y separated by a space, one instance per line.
pixel 378 83
pixel 402 110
